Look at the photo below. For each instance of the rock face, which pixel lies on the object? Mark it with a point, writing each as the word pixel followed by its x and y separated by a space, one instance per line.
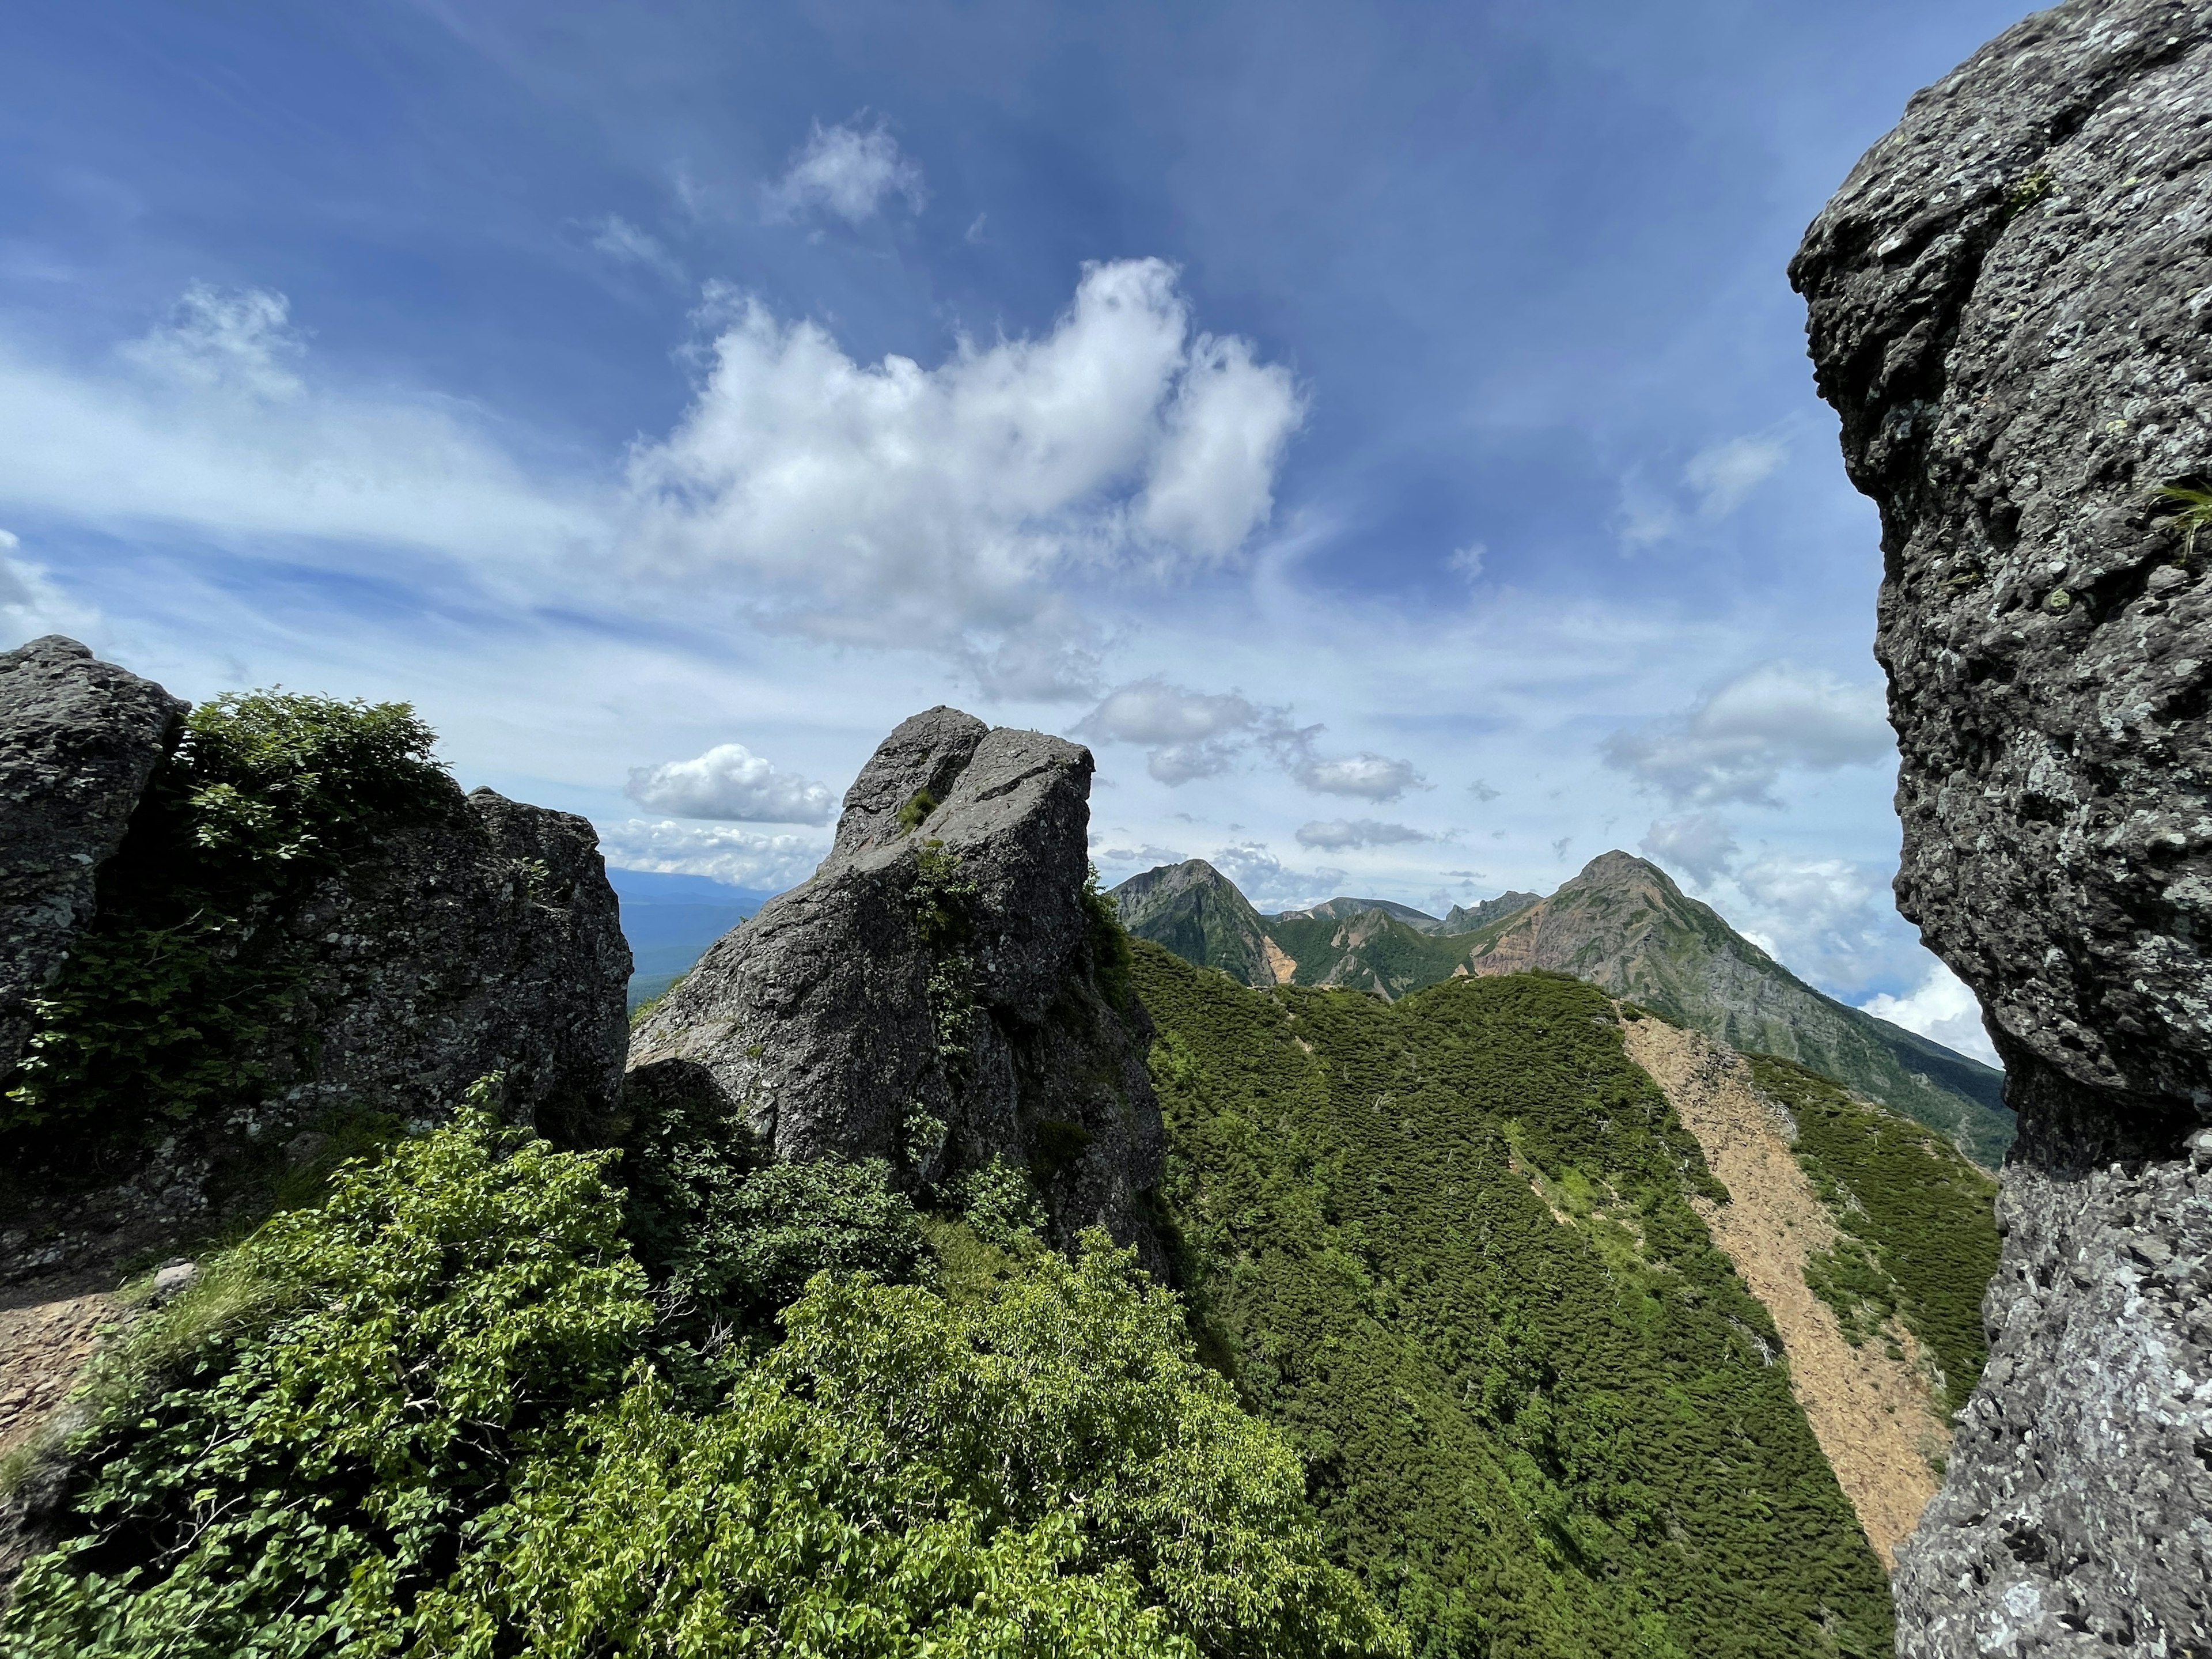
pixel 2006 309
pixel 937 994
pixel 480 935
pixel 78 739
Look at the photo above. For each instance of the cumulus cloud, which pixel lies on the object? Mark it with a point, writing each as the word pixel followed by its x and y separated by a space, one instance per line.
pixel 1699 846
pixel 1366 775
pixel 1334 834
pixel 1829 920
pixel 1189 734
pixel 1733 743
pixel 730 781
pixel 900 505
pixel 624 243
pixel 1942 1010
pixel 848 170
pixel 1724 474
pixel 745 858
pixel 1201 734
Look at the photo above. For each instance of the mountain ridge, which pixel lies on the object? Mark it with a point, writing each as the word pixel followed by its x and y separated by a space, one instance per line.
pixel 1623 924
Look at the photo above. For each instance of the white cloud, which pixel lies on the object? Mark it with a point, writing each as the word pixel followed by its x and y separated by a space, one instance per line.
pixel 1189 734
pixel 1334 834
pixel 1724 474
pixel 1147 856
pixel 1366 775
pixel 1733 743
pixel 229 432
pixel 1699 846
pixel 32 606
pixel 1268 882
pixel 1466 561
pixel 745 858
pixel 623 242
pixel 933 508
pixel 849 171
pixel 1831 920
pixel 1942 1010
pixel 1483 790
pixel 730 781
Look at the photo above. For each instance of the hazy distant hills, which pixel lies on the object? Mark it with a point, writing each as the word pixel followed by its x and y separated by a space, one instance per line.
pixel 1621 924
pixel 671 920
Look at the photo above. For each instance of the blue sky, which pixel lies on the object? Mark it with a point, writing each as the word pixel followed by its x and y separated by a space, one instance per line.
pixel 1382 432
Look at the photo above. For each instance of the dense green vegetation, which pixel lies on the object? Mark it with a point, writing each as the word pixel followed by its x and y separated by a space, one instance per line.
pixel 1919 1239
pixel 1536 1423
pixel 436 1415
pixel 167 999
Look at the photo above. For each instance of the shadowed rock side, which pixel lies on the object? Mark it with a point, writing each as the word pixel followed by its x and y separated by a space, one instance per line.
pixel 1197 913
pixel 78 739
pixel 933 995
pixel 2006 310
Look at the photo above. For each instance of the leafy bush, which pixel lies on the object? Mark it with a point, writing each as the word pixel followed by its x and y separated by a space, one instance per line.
pixel 167 998
pixel 998 1202
pixel 289 1457
pixel 1109 941
pixel 417 1421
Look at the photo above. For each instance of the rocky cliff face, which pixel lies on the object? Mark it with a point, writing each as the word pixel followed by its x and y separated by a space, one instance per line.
pixel 480 935
pixel 2006 309
pixel 78 739
pixel 937 994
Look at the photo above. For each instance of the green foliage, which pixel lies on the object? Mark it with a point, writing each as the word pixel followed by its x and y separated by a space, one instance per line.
pixel 417 1421
pixel 1109 942
pixel 998 1202
pixel 732 1236
pixel 2192 511
pixel 167 998
pixel 1532 1430
pixel 2026 190
pixel 913 809
pixel 940 897
pixel 290 1457
pixel 1920 1237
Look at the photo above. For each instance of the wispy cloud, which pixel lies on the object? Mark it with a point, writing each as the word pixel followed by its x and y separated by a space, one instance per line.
pixel 730 781
pixel 624 243
pixel 1197 734
pixel 848 170
pixel 1335 835
pixel 1723 476
pixel 1734 743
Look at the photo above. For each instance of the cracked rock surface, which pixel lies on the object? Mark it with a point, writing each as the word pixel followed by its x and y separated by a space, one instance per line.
pixel 2008 303
pixel 934 994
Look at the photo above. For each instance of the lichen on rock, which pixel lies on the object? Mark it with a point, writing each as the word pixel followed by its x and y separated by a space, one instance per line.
pixel 2006 309
pixel 935 994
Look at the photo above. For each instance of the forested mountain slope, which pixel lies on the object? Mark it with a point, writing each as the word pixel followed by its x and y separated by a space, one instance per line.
pixel 1622 924
pixel 1449 1244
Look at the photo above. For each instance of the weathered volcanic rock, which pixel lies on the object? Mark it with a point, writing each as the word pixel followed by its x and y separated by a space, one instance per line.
pixel 479 935
pixel 78 739
pixel 2006 310
pixel 940 969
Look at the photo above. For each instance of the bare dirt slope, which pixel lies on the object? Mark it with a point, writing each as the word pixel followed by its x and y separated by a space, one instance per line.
pixel 1876 1417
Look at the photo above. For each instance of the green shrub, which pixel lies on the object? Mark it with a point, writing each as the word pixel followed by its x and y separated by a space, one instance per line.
pixel 166 1001
pixel 418 1420
pixel 1109 942
pixel 1048 1472
pixel 998 1202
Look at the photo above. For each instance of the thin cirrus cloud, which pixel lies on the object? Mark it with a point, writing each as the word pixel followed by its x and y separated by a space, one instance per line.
pixel 1700 846
pixel 1718 479
pixel 625 244
pixel 1337 835
pixel 1734 743
pixel 730 781
pixel 231 433
pixel 1191 734
pixel 848 170
pixel 896 505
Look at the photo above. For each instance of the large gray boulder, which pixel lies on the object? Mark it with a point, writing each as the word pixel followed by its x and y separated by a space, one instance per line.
pixel 2006 309
pixel 934 994
pixel 78 739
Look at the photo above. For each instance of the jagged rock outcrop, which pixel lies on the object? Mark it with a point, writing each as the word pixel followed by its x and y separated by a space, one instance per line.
pixel 477 935
pixel 937 994
pixel 2006 310
pixel 78 739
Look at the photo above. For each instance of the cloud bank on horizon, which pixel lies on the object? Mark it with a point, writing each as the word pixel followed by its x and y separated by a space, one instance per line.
pixel 669 411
